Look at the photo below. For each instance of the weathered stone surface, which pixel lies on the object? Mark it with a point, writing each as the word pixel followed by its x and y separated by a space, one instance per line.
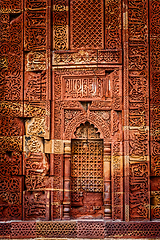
pixel 79 119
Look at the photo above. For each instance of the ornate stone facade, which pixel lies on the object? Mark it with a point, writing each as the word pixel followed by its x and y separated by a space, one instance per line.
pixel 79 119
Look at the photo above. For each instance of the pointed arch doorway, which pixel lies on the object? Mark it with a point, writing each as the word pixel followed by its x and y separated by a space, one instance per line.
pixel 87 173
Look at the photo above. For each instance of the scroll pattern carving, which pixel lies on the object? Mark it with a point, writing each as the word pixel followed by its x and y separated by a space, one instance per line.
pixel 138 109
pixel 10 197
pixel 35 27
pixel 36 109
pixel 36 4
pixel 38 183
pixel 10 186
pixel 139 195
pixel 138 143
pixel 14 6
pixel 36 127
pixel 117 179
pixel 60 25
pixel 10 126
pixel 10 165
pixel 113 24
pixel 154 107
pixel 13 143
pixel 155 198
pixel 35 85
pixel 116 90
pixel 35 205
pixel 11 83
pixel 57 120
pixel 11 109
pixel 35 164
pixel 36 201
pixel 35 61
pixel 68 115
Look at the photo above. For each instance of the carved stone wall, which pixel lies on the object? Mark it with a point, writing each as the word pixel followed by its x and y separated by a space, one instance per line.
pixel 154 109
pixel 136 104
pixel 11 101
pixel 36 165
pixel 79 80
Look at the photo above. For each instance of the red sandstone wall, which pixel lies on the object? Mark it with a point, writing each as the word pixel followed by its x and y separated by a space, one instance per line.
pixel 154 108
pixel 43 43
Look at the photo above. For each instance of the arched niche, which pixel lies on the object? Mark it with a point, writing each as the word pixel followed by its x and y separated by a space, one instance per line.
pixel 87 175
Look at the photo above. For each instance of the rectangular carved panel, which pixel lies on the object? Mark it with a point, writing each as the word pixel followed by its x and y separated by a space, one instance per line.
pixel 60 25
pixel 87 24
pixel 11 109
pixel 100 84
pixel 139 195
pixel 10 126
pixel 113 24
pixel 36 205
pixel 83 88
pixel 57 193
pixel 11 198
pixel 117 179
pixel 10 165
pixel 87 57
pixel 35 29
pixel 35 86
pixel 35 61
pixel 11 87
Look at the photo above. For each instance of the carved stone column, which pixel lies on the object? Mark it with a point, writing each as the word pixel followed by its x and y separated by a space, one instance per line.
pixel 67 167
pixel 107 180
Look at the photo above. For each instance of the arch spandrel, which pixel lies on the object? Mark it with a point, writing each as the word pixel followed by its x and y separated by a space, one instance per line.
pixel 93 118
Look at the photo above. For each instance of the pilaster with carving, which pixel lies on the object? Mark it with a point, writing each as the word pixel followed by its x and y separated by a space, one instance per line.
pixel 136 112
pixel 11 105
pixel 154 7
pixel 67 180
pixel 37 75
pixel 107 181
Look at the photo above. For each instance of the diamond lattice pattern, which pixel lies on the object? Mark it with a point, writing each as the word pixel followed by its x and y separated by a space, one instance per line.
pixel 87 24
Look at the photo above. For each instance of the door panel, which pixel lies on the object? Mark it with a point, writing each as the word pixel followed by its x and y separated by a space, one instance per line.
pixel 87 179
